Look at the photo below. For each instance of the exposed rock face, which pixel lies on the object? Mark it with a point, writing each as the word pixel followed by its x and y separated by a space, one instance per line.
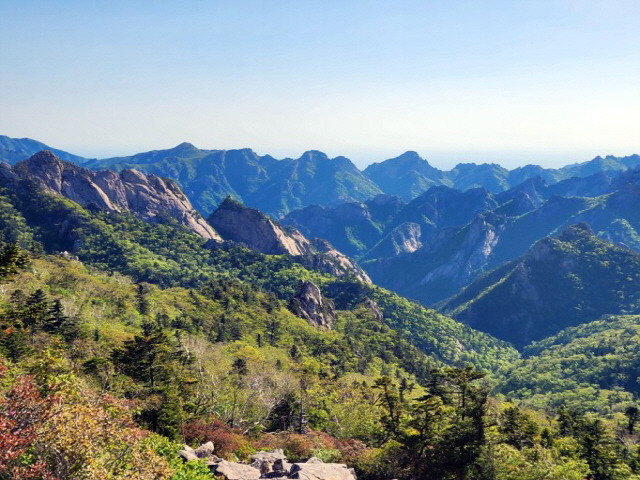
pixel 374 308
pixel 560 282
pixel 321 471
pixel 328 259
pixel 256 230
pixel 188 454
pixel 274 186
pixel 205 450
pixel 451 259
pixel 236 471
pixel 274 465
pixel 405 238
pixel 246 225
pixel 353 228
pixel 477 245
pixel 309 304
pixel 147 196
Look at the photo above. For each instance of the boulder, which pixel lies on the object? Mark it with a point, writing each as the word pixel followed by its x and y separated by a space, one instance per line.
pixel 236 471
pixel 266 461
pixel 188 454
pixel 205 450
pixel 281 466
pixel 321 471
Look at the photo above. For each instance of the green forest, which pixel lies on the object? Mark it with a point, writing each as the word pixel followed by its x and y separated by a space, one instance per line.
pixel 151 338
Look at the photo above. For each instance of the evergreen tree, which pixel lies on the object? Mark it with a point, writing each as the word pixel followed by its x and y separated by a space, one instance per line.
pixel 12 259
pixel 142 301
pixel 147 357
pixel 632 414
pixel 37 310
pixel 55 317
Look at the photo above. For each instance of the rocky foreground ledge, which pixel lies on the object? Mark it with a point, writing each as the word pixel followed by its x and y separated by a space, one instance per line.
pixel 273 465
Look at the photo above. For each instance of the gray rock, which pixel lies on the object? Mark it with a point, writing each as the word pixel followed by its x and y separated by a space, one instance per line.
pixel 258 231
pixel 321 471
pixel 281 465
pixel 147 196
pixel 308 303
pixel 236 471
pixel 188 454
pixel 205 450
pixel 253 228
pixel 314 460
pixel 271 456
pixel 265 461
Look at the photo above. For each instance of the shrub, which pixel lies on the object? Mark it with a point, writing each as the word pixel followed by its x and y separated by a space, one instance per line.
pixel 168 450
pixel 327 455
pixel 226 441
pixel 22 409
pixel 297 447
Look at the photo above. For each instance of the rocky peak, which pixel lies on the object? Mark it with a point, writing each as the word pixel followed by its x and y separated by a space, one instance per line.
pixel 147 196
pixel 308 303
pixel 411 156
pixel 185 146
pixel 250 227
pixel 400 165
pixel 314 155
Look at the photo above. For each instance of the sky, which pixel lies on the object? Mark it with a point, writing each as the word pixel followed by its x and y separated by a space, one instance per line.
pixel 510 82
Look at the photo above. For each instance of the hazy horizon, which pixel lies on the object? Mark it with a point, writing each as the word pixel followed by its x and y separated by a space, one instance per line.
pixel 441 160
pixel 548 82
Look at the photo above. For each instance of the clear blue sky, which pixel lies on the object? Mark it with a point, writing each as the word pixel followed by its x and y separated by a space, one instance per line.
pixel 549 82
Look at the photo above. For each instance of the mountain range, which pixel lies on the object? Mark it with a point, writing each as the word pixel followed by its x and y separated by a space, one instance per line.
pixel 426 245
pixel 560 282
pixel 277 187
pixel 451 257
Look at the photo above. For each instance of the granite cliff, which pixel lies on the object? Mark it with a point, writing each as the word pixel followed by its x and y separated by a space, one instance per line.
pixel 238 223
pixel 147 196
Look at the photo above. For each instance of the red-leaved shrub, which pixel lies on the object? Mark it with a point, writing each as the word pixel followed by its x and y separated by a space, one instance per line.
pixel 225 440
pixel 22 409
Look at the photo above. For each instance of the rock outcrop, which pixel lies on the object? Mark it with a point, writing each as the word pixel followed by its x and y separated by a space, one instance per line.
pixel 308 303
pixel 327 259
pixel 238 223
pixel 321 471
pixel 253 228
pixel 236 471
pixel 373 307
pixel 273 465
pixel 147 196
pixel 405 238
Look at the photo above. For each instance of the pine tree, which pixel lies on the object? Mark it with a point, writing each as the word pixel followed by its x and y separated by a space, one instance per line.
pixel 147 357
pixel 55 317
pixel 37 310
pixel 12 260
pixel 142 302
